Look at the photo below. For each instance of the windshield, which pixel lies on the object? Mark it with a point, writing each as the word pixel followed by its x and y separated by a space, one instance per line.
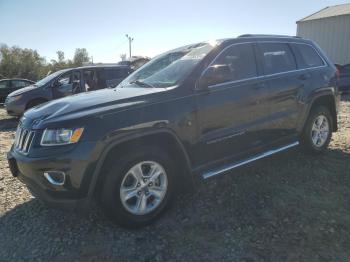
pixel 169 68
pixel 47 79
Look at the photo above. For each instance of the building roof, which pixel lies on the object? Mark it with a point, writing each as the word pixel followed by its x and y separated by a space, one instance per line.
pixel 329 11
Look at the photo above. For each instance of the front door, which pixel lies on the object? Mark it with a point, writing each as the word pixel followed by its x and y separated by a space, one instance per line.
pixel 67 84
pixel 232 114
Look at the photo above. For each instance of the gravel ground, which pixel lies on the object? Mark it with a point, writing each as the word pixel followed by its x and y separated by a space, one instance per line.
pixel 291 207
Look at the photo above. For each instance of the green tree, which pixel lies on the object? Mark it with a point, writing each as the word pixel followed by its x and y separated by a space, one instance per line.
pixel 17 62
pixel 27 63
pixel 81 56
pixel 60 63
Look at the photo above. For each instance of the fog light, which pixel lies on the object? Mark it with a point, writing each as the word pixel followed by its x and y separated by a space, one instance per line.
pixel 56 178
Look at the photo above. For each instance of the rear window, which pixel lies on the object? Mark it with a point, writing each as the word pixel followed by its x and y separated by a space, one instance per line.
pixel 307 56
pixel 276 58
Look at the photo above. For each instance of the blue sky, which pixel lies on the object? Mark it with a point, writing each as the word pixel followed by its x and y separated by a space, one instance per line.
pixel 157 26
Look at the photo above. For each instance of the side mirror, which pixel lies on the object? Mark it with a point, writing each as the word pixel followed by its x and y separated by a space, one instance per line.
pixel 214 75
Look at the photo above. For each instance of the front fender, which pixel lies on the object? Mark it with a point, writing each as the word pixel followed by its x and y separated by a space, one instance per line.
pixel 109 145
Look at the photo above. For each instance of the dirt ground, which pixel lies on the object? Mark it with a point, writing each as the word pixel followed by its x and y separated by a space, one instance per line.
pixel 290 207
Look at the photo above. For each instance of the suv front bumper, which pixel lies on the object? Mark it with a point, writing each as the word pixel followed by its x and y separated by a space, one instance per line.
pixel 72 195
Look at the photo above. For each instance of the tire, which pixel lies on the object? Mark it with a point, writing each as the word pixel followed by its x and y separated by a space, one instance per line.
pixel 125 213
pixel 310 140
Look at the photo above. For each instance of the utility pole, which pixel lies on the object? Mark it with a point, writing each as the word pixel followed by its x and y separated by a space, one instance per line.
pixel 130 40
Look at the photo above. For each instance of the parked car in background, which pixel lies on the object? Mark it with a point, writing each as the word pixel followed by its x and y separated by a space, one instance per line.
pixel 200 110
pixel 8 86
pixel 344 77
pixel 64 83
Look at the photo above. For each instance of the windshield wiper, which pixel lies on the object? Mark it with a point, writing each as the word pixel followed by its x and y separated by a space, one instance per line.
pixel 140 83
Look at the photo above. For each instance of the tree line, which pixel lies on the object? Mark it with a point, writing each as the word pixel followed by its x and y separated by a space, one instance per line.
pixel 16 62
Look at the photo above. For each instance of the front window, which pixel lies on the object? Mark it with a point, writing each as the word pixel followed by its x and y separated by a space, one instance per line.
pixel 47 79
pixel 170 68
pixel 240 61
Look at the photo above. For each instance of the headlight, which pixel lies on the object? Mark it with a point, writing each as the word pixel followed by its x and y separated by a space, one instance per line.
pixel 11 99
pixel 63 136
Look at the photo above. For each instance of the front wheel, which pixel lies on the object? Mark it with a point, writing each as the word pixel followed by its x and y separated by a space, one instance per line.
pixel 138 187
pixel 317 133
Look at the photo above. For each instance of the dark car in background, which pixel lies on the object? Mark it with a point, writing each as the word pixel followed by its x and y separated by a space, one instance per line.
pixel 8 86
pixel 64 83
pixel 344 77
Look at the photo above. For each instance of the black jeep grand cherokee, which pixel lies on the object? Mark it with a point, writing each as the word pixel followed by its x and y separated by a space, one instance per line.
pixel 203 109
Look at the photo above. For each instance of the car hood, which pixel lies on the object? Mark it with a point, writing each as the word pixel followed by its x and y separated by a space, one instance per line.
pixel 91 103
pixel 23 90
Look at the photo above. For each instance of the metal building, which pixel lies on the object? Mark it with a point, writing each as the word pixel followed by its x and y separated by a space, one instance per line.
pixel 330 29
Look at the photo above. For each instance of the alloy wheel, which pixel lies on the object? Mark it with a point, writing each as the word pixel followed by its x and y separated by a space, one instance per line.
pixel 143 187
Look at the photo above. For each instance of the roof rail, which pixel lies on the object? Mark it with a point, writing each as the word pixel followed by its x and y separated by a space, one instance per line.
pixel 257 35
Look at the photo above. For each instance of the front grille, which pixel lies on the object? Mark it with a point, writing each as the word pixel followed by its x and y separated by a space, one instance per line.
pixel 23 139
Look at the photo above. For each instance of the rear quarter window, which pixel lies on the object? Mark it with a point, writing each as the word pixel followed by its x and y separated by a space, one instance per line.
pixel 307 56
pixel 276 58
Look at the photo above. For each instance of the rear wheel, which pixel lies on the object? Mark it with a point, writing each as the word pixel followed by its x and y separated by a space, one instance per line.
pixel 138 187
pixel 317 133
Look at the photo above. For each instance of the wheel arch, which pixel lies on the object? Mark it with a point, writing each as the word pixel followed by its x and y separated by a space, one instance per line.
pixel 153 138
pixel 328 101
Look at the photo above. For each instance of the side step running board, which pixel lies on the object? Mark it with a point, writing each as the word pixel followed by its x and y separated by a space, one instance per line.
pixel 247 161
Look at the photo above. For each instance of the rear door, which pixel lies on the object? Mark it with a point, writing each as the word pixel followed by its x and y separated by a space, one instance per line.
pixel 286 83
pixel 232 115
